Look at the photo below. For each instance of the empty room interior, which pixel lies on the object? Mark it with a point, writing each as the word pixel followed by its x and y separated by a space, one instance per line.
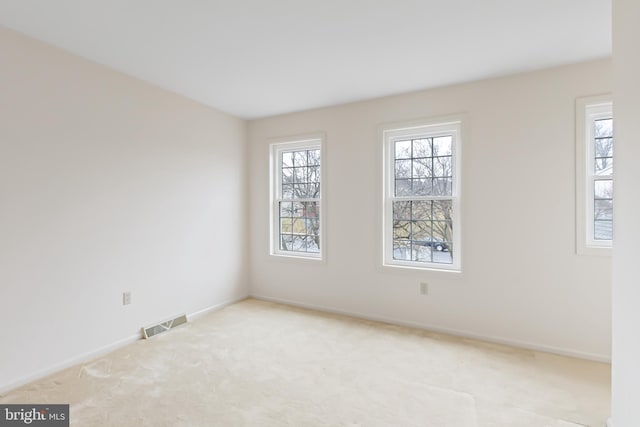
pixel 390 213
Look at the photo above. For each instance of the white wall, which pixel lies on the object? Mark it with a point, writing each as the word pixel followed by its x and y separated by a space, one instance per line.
pixel 522 281
pixel 107 184
pixel 626 251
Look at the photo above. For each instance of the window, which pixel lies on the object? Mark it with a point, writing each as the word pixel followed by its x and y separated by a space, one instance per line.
pixel 296 198
pixel 594 169
pixel 422 195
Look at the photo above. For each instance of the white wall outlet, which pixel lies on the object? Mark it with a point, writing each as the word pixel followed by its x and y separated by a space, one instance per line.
pixel 424 288
pixel 126 298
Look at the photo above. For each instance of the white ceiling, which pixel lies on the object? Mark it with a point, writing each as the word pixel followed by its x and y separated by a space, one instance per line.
pixel 256 58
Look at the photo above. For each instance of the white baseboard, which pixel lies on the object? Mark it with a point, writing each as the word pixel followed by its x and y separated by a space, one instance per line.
pixel 70 362
pixel 196 314
pixel 4 388
pixel 438 329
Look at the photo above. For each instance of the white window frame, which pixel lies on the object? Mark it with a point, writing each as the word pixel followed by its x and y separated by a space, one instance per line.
pixel 276 148
pixel 588 110
pixel 443 126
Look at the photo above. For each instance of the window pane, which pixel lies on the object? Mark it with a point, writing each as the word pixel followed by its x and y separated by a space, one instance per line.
pixel 286 225
pixel 421 148
pixel 422 252
pixel 603 165
pixel 299 158
pixel 403 169
pixel 603 147
pixel 443 210
pixel 286 242
pixel 443 256
pixel 421 209
pixel 442 146
pixel 287 191
pixel 403 149
pixel 422 168
pixel 401 211
pixel 299 243
pixel 442 166
pixel 603 189
pixel 300 191
pixel 421 231
pixel 287 159
pixel 442 186
pixel 603 230
pixel 299 226
pixel 314 158
pixel 403 187
pixel 313 244
pixel 604 128
pixel 298 209
pixel 402 250
pixel 603 209
pixel 312 210
pixel 286 209
pixel 314 191
pixel 313 228
pixel 313 174
pixel 422 187
pixel 287 175
pixel 442 231
pixel 401 230
pixel 299 175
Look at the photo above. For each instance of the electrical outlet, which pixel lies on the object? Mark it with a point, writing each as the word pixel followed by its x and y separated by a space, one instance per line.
pixel 126 298
pixel 424 288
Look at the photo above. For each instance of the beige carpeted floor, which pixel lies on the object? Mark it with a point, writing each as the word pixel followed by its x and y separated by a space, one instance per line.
pixel 261 364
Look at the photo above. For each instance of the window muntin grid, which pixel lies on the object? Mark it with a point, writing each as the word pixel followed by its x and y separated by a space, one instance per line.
pixel 423 231
pixel 423 167
pixel 422 202
pixel 602 176
pixel 594 175
pixel 603 146
pixel 299 201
